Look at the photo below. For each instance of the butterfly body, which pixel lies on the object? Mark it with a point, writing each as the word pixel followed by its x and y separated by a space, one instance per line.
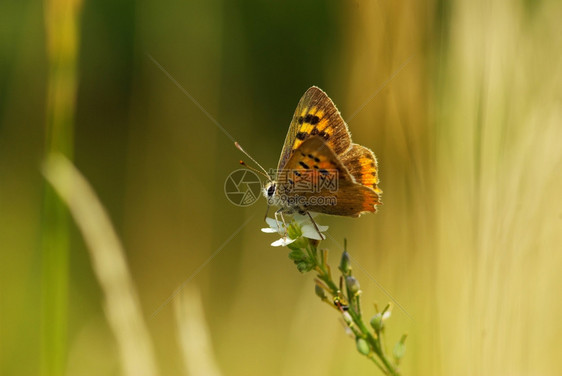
pixel 320 169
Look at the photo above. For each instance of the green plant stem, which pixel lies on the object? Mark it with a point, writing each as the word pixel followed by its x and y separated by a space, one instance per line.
pixel 325 276
pixel 374 342
pixel 354 312
pixel 322 271
pixel 374 359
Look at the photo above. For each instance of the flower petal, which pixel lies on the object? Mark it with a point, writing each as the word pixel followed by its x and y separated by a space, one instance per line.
pixel 269 230
pixel 308 231
pixel 273 223
pixel 300 219
pixel 322 228
pixel 282 242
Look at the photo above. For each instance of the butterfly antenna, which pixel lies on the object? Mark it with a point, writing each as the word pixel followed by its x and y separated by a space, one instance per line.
pixel 262 172
pixel 254 169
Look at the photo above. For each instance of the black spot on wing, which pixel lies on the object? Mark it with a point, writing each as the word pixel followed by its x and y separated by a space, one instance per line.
pixel 324 135
pixel 311 119
pixel 302 135
pixel 304 165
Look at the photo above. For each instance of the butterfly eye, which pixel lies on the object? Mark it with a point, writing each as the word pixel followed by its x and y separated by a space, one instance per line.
pixel 271 190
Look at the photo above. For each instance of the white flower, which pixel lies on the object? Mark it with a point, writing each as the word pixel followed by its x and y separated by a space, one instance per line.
pixel 302 222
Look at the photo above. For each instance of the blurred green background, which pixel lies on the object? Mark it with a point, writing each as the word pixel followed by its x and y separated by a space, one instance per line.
pixel 466 123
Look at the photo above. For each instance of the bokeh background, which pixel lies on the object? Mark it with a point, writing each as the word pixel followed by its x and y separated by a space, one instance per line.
pixel 460 100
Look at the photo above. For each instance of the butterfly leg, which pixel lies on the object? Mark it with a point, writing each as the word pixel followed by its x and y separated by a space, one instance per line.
pixel 266 211
pixel 284 224
pixel 279 213
pixel 316 226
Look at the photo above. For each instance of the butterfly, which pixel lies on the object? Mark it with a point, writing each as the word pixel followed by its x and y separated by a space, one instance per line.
pixel 320 169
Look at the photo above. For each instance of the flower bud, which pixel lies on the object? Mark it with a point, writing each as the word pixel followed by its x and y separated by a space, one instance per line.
pixel 400 349
pixel 376 322
pixel 304 266
pixel 345 264
pixel 352 285
pixel 347 318
pixel 320 292
pixel 362 346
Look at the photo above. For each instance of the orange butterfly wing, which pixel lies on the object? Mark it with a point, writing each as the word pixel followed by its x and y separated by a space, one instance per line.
pixel 348 198
pixel 362 164
pixel 316 115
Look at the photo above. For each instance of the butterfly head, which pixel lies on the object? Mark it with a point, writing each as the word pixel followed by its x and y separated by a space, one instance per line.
pixel 270 193
pixel 269 189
